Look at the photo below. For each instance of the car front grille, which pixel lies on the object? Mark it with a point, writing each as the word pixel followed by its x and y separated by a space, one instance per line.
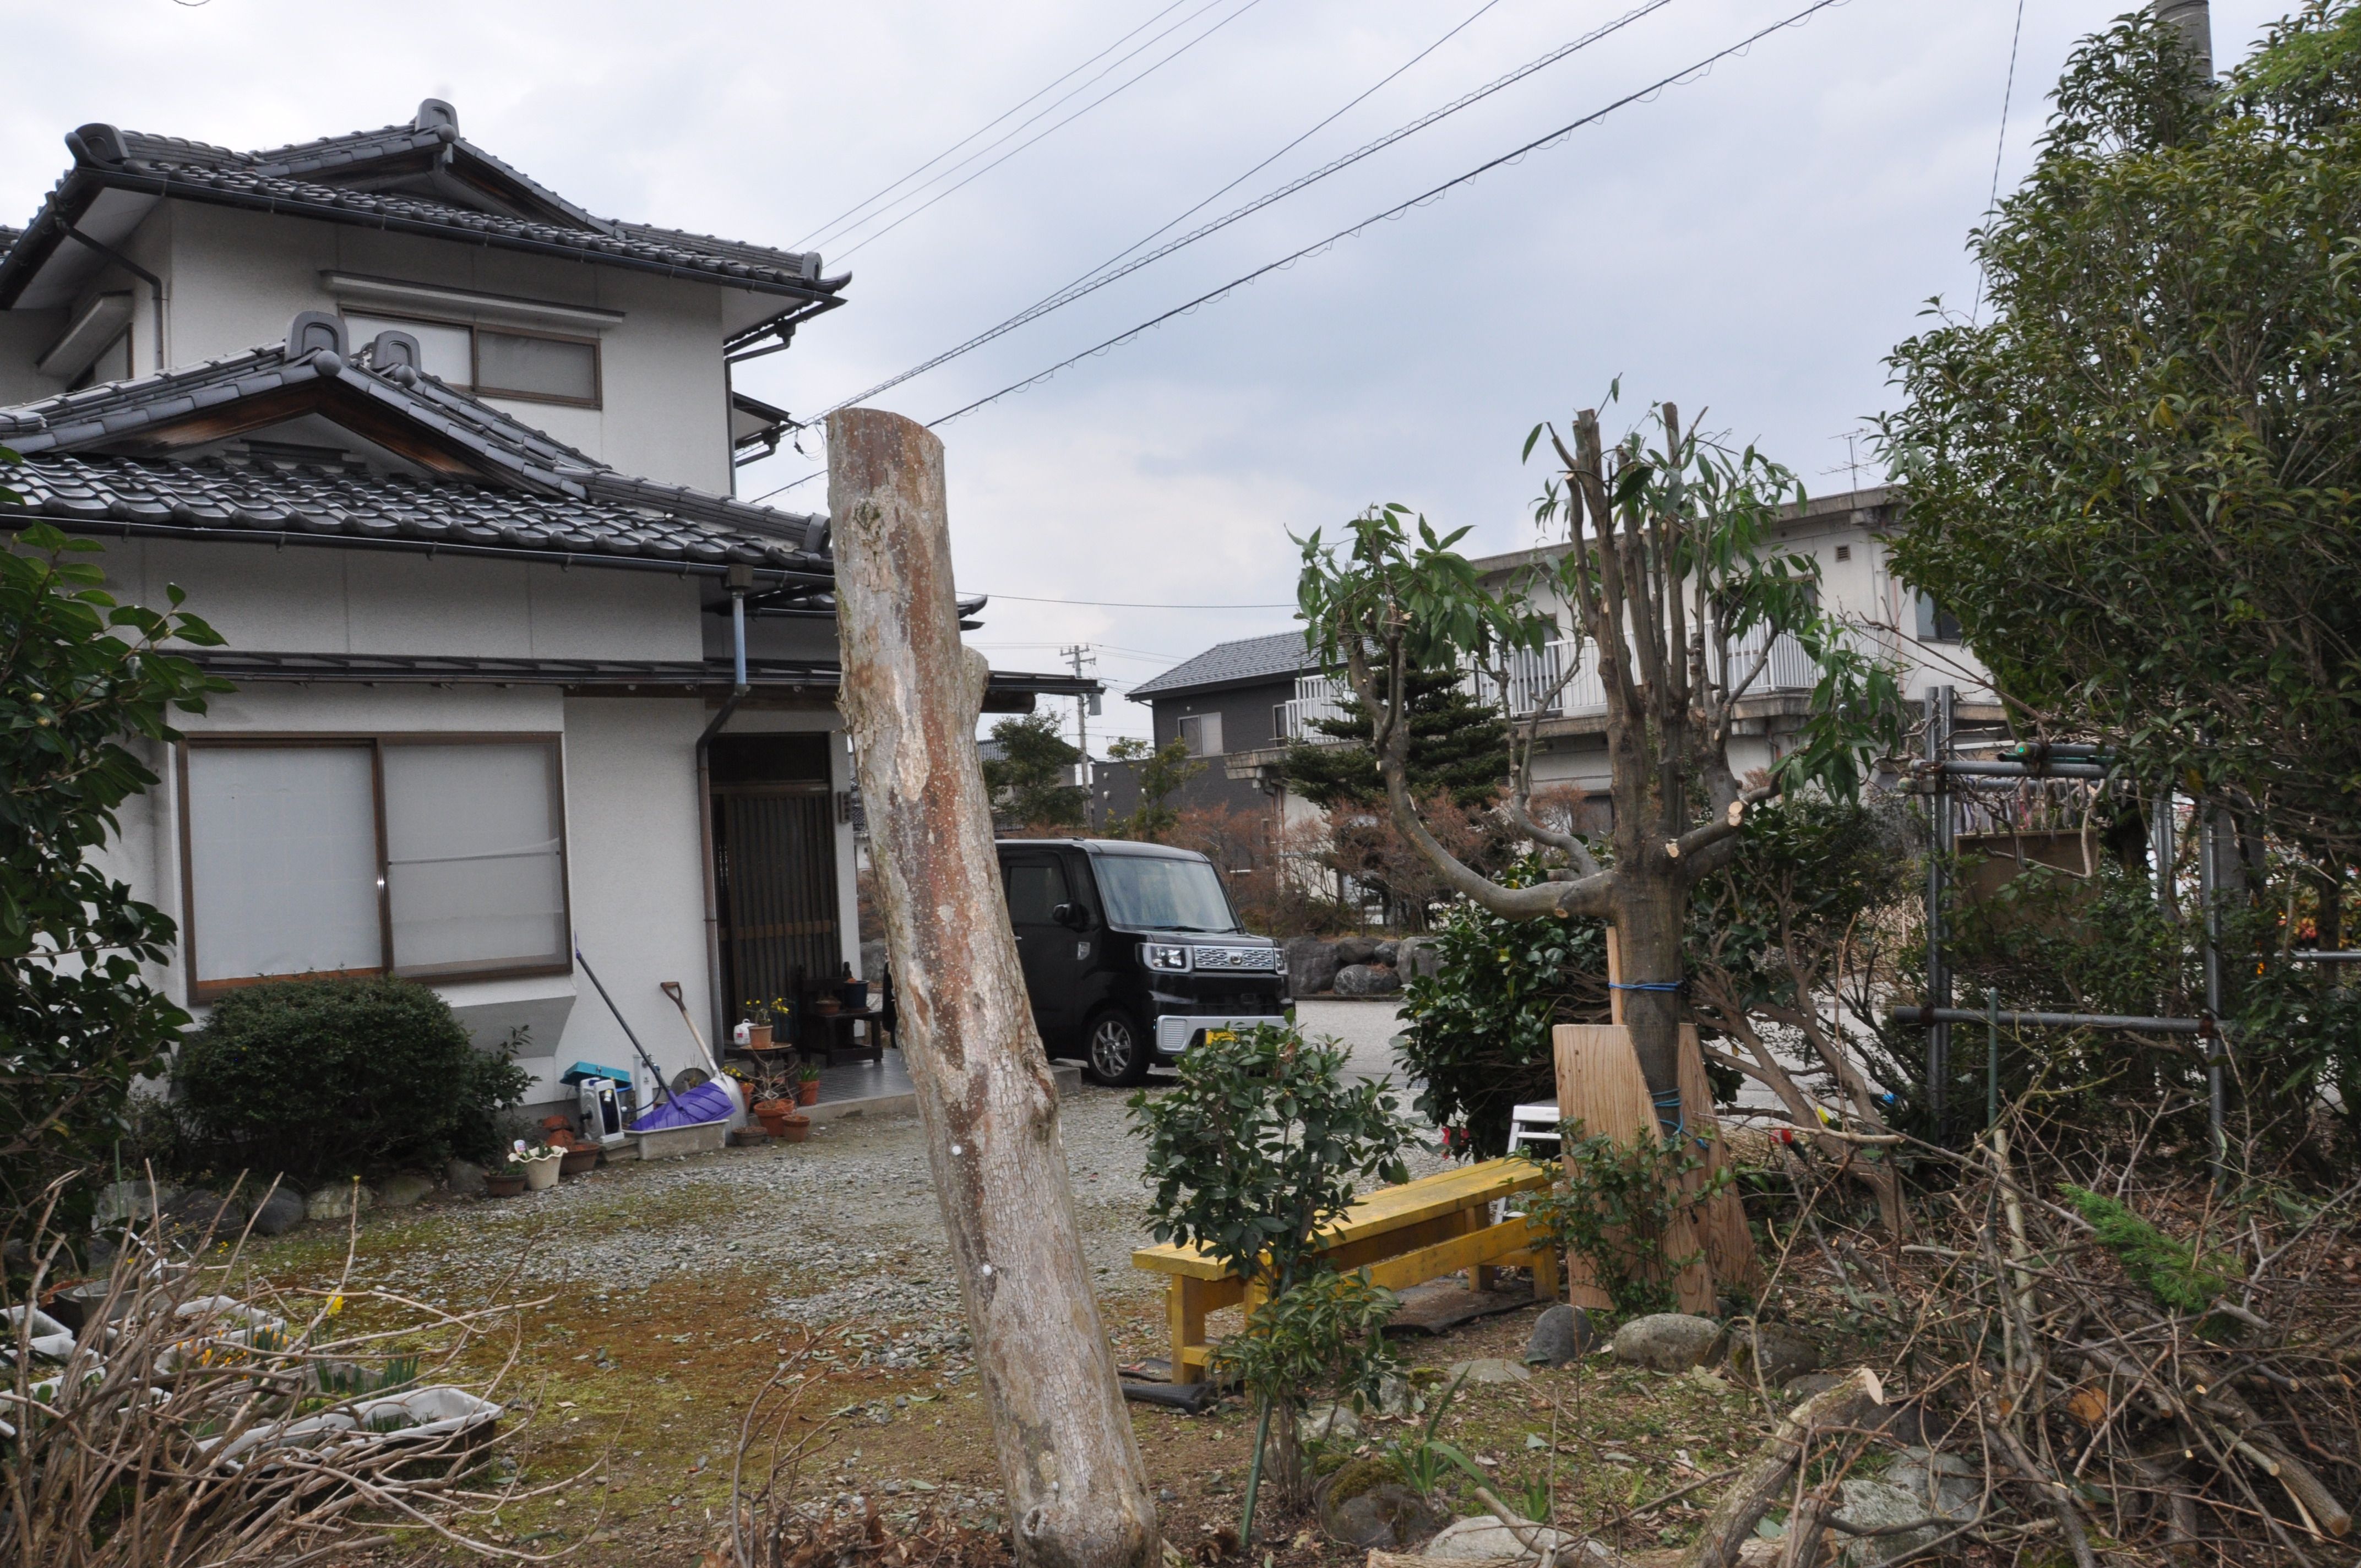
pixel 1265 960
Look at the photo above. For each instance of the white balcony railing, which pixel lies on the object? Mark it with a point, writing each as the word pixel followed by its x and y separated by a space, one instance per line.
pixel 1532 683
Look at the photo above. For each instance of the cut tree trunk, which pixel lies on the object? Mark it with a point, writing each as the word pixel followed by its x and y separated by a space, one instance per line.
pixel 1599 1084
pixel 1077 1494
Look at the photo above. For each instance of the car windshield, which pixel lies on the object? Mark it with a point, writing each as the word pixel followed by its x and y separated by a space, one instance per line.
pixel 1149 892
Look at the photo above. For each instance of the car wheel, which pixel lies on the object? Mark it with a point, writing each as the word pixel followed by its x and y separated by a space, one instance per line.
pixel 1114 1051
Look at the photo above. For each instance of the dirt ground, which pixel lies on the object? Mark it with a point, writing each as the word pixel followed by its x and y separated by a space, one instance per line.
pixel 664 1295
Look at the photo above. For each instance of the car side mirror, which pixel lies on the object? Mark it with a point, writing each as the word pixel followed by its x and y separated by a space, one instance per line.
pixel 1072 916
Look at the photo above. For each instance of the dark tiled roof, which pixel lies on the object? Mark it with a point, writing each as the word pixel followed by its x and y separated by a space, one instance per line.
pixel 1278 656
pixel 302 179
pixel 525 491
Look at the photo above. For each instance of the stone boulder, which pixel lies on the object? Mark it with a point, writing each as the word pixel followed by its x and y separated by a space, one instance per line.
pixel 198 1212
pixel 1366 980
pixel 464 1176
pixel 1417 958
pixel 1323 1423
pixel 1355 949
pixel 1488 1369
pixel 1668 1341
pixel 1486 1539
pixel 1772 1352
pixel 1310 965
pixel 131 1203
pixel 1877 1505
pixel 1385 953
pixel 1562 1334
pixel 280 1213
pixel 402 1189
pixel 1361 1504
pixel 1944 1483
pixel 338 1201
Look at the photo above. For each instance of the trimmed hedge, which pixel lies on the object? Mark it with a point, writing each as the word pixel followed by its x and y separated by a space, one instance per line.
pixel 321 1077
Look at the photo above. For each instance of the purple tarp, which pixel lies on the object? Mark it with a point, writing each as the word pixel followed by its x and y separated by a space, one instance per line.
pixel 706 1103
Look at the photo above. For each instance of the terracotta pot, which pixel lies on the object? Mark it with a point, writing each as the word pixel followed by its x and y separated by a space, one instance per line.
pixel 758 1037
pixel 498 1185
pixel 826 1005
pixel 794 1129
pixel 772 1107
pixel 750 1137
pixel 807 1092
pixel 578 1162
pixel 540 1175
pixel 773 1124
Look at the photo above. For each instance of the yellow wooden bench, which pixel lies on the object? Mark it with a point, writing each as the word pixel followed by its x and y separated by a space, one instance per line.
pixel 1404 1236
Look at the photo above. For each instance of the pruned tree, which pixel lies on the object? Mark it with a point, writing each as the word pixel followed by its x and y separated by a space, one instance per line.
pixel 1678 587
pixel 1032 780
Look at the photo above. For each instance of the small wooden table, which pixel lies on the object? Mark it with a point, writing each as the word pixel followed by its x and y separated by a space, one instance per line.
pixel 1404 1236
pixel 831 1034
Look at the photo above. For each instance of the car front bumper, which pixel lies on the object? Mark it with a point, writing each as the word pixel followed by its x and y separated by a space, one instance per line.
pixel 1176 1033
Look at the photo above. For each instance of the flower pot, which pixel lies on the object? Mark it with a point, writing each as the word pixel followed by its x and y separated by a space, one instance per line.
pixel 503 1184
pixel 758 1037
pixel 827 1006
pixel 540 1175
pixel 807 1092
pixel 580 1161
pixel 750 1137
pixel 794 1129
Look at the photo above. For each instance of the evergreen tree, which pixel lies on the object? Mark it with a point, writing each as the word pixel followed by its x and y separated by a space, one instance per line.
pixel 1458 745
pixel 1032 779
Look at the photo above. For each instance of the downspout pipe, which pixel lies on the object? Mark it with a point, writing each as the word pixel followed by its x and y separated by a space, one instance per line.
pixel 155 284
pixel 740 582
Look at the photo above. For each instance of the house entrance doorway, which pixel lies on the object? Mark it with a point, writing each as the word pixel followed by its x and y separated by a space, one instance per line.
pixel 774 866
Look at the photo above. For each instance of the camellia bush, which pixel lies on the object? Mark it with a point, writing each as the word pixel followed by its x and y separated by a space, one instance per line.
pixel 1479 1027
pixel 83 679
pixel 320 1078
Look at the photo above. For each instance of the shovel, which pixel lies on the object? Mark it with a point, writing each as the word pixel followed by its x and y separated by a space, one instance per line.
pixel 672 988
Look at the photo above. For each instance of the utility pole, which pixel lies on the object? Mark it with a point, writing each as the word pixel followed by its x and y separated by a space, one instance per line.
pixel 1079 655
pixel 2193 20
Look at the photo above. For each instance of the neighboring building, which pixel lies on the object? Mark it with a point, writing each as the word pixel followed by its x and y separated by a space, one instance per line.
pixel 1845 533
pixel 464 518
pixel 1236 705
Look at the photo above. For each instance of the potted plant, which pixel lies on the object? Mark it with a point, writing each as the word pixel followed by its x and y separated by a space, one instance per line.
pixel 806 1084
pixel 774 1114
pixel 762 1017
pixel 794 1126
pixel 504 1183
pixel 580 1159
pixel 539 1163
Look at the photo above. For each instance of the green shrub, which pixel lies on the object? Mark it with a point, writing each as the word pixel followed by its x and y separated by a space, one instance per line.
pixel 340 1077
pixel 1614 1208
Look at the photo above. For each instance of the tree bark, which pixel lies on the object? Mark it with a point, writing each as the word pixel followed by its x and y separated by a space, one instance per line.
pixel 1078 1492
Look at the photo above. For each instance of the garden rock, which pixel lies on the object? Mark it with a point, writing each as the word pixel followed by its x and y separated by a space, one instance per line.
pixel 1490 1369
pixel 1667 1342
pixel 280 1213
pixel 1366 980
pixel 1360 1507
pixel 403 1190
pixel 121 1203
pixel 1484 1538
pixel 1321 1423
pixel 1877 1505
pixel 1397 1397
pixel 337 1202
pixel 197 1211
pixel 1356 951
pixel 1310 965
pixel 1562 1334
pixel 1417 958
pixel 1385 953
pixel 464 1176
pixel 1773 1351
pixel 1943 1484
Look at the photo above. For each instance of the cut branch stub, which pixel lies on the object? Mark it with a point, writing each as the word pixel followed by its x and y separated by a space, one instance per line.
pixel 1077 1490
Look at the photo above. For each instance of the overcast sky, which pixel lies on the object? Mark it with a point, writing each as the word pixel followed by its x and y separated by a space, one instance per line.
pixel 1750 242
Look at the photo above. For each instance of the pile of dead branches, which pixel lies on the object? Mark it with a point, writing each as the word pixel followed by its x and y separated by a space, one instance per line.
pixel 173 1409
pixel 2155 1369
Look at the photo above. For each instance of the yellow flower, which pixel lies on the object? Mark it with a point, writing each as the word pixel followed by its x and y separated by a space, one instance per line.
pixel 335 1304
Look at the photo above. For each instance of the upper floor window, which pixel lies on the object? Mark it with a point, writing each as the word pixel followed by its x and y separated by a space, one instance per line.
pixel 1936 624
pixel 113 363
pixel 496 362
pixel 1202 732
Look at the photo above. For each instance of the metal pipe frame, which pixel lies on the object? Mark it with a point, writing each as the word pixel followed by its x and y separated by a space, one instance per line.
pixel 1940 1016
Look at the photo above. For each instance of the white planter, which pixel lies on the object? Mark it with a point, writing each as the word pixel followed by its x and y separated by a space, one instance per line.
pixel 540 1175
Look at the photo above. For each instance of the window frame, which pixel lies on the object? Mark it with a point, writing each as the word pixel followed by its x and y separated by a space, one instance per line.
pixel 375 742
pixel 475 331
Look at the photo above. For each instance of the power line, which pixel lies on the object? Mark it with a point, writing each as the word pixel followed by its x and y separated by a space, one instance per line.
pixel 1070 119
pixel 905 179
pixel 2000 146
pixel 1797 19
pixel 1109 270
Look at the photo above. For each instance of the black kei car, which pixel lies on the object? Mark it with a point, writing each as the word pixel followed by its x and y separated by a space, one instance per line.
pixel 1132 953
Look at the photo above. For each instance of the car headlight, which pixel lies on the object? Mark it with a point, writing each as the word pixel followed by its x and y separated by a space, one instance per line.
pixel 1164 954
